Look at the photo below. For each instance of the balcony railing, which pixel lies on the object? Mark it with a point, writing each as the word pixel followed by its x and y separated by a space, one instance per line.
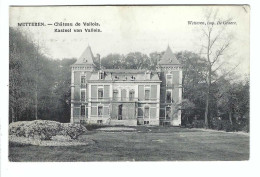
pixel 117 99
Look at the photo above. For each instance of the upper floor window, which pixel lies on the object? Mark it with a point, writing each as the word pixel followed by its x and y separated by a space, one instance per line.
pixel 147 94
pixel 83 79
pixel 100 93
pixel 168 96
pixel 82 95
pixel 115 94
pixel 131 95
pixel 169 79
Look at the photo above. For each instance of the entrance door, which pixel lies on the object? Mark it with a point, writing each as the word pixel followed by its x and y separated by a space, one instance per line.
pixel 120 112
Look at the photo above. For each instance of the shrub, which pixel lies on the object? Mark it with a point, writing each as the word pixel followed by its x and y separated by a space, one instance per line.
pixel 43 129
pixel 73 130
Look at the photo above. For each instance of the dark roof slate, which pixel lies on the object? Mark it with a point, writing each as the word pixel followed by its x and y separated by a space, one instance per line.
pixel 169 58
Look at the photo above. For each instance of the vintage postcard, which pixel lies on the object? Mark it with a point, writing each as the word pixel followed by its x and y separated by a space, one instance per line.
pixel 129 83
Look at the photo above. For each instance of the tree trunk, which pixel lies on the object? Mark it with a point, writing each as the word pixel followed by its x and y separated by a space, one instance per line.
pixel 36 103
pixel 207 98
pixel 230 117
pixel 12 114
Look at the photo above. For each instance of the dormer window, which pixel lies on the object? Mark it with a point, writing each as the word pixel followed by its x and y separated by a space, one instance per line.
pixel 101 75
pixel 132 78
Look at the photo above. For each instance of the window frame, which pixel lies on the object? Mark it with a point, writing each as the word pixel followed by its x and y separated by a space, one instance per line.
pixel 166 96
pixel 147 89
pixel 98 89
pixel 82 76
pixel 82 90
pixel 81 115
pixel 102 110
pixel 115 91
pixel 132 93
pixel 146 108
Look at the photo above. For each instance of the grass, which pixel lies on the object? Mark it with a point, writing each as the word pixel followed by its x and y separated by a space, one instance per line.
pixel 146 144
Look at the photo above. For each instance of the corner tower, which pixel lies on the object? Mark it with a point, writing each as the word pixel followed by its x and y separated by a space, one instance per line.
pixel 81 71
pixel 170 72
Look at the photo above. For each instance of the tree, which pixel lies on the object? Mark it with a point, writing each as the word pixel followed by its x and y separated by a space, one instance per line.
pixel 193 82
pixel 39 87
pixel 217 42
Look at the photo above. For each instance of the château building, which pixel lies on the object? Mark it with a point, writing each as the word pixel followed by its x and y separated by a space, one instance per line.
pixel 126 96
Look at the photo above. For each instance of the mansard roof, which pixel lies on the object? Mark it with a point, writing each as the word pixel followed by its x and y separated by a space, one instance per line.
pixel 169 58
pixel 86 57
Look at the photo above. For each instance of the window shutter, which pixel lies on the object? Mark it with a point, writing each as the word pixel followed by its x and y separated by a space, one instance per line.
pixel 106 91
pixel 94 111
pixel 93 91
pixel 76 112
pixel 153 113
pixel 106 111
pixel 141 92
pixel 153 91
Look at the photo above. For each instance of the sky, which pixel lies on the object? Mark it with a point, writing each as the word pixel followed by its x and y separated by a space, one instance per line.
pixel 132 28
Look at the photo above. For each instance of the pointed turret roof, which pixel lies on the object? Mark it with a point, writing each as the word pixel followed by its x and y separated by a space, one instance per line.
pixel 86 57
pixel 169 58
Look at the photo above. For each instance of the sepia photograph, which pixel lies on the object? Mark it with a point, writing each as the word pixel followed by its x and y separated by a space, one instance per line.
pixel 129 83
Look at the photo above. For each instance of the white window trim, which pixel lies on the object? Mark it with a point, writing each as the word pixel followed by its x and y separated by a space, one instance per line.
pixel 147 87
pixel 148 112
pixel 100 105
pixel 100 87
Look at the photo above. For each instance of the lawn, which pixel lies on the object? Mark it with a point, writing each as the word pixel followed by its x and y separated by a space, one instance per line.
pixel 145 144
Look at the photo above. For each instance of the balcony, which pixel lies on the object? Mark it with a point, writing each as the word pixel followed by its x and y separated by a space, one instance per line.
pixel 117 99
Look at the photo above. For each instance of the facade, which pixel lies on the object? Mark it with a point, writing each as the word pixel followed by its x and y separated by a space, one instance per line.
pixel 126 97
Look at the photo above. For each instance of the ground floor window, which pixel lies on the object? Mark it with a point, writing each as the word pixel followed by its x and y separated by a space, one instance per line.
pixel 140 113
pixel 100 110
pixel 120 110
pixel 82 110
pixel 146 112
